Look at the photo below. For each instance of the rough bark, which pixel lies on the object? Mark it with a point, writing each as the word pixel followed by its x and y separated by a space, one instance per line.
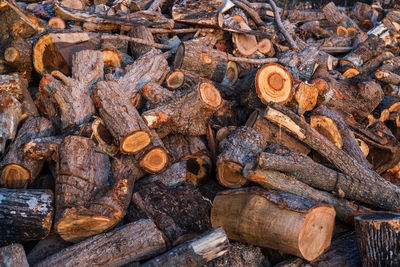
pixel 335 16
pixel 137 50
pixel 13 255
pixel 26 215
pixel 45 248
pixel 19 55
pixel 10 113
pixel 136 241
pixel 261 217
pixel 13 84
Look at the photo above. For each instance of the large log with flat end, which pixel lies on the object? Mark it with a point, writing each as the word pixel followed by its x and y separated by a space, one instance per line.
pixel 282 221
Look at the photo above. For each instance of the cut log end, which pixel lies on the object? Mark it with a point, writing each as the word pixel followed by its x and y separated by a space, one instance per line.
pixel 175 79
pixel 312 243
pixel 363 146
pixel 15 176
pixel 135 142
pixel 328 128
pixel 11 54
pixel 155 160
pixel 350 72
pixel 232 72
pixel 103 137
pixel 246 44
pixel 306 96
pixel 56 23
pixel 198 169
pixel 274 83
pixel 112 57
pixel 341 31
pixel 230 175
pixel 265 46
pixel 210 95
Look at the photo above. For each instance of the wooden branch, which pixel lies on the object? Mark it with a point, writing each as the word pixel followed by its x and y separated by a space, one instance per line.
pixel 14 6
pixel 132 39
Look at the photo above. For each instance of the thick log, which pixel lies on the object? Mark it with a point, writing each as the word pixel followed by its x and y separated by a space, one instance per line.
pixel 25 215
pixel 103 138
pixel 385 193
pixel 188 114
pixel 358 96
pixel 387 77
pixel 378 238
pixel 66 100
pixel 45 248
pixel 177 211
pixel 240 147
pixel 132 242
pixel 13 255
pixel 196 12
pixel 261 217
pixel 19 55
pixel 371 65
pixel 121 117
pixel 17 170
pixel 196 252
pixel 335 16
pixel 157 95
pixel 137 50
pixel 10 114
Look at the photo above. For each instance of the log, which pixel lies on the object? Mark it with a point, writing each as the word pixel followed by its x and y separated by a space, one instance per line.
pixel 13 84
pixel 306 96
pixel 240 147
pixel 18 171
pixel 198 251
pixel 335 16
pixel 387 77
pixel 373 64
pixel 385 192
pixel 137 50
pixel 188 114
pixel 45 248
pixel 207 62
pixel 261 217
pixel 13 255
pixel 196 12
pixel 66 100
pixel 132 242
pixel 10 113
pixel 121 118
pixel 19 55
pixel 103 137
pixel 56 23
pixel 156 95
pixel 378 238
pixel 328 128
pixel 26 215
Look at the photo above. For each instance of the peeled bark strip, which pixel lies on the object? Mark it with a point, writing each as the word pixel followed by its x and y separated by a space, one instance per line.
pixel 25 215
pixel 45 248
pixel 121 117
pixel 188 114
pixel 378 238
pixel 358 96
pixel 67 100
pixel 90 198
pixel 10 113
pixel 386 195
pixel 292 224
pixel 240 147
pixel 275 134
pixel 136 241
pixel 13 255
pixel 17 170
pixel 196 252
pixel 207 62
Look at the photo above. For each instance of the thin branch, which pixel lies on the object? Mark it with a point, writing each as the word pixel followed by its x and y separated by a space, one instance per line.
pixel 256 61
pixel 132 39
pixel 253 14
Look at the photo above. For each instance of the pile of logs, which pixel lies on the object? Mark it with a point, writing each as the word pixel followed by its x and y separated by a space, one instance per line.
pixel 199 133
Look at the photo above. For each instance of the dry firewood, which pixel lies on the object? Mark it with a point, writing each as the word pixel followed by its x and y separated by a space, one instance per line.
pixel 299 16
pixel 349 143
pixel 372 64
pixel 143 33
pixel 26 214
pixel 335 16
pixel 18 171
pixel 196 12
pixel 45 248
pixel 10 114
pixel 56 23
pixel 356 173
pixel 362 11
pixel 91 197
pixel 67 101
pixel 387 77
pixel 236 150
pixel 28 20
pixel 387 110
pixel 13 255
pixel 270 179
pixel 314 27
pixel 157 95
pixel 358 96
pixel 121 118
pixel 275 134
pixel 176 211
pixel 182 79
pixel 242 213
pixel 306 96
pixel 377 238
pixel 343 252
pixel 207 62
pixel 13 84
pixel 188 114
pixel 19 55
pixel 198 251
pixel 136 241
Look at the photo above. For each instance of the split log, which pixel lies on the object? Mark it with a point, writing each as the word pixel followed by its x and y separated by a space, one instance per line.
pixel 103 138
pixel 378 238
pixel 10 114
pixel 121 118
pixel 240 147
pixel 45 248
pixel 188 114
pixel 198 251
pixel 358 96
pixel 261 217
pixel 207 62
pixel 26 215
pixel 306 96
pixel 385 193
pixel 67 101
pixel 176 211
pixel 90 197
pixel 18 171
pixel 132 242
pixel 13 255
pixel 274 134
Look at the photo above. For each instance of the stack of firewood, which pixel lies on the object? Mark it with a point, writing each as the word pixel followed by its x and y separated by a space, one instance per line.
pixel 151 132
